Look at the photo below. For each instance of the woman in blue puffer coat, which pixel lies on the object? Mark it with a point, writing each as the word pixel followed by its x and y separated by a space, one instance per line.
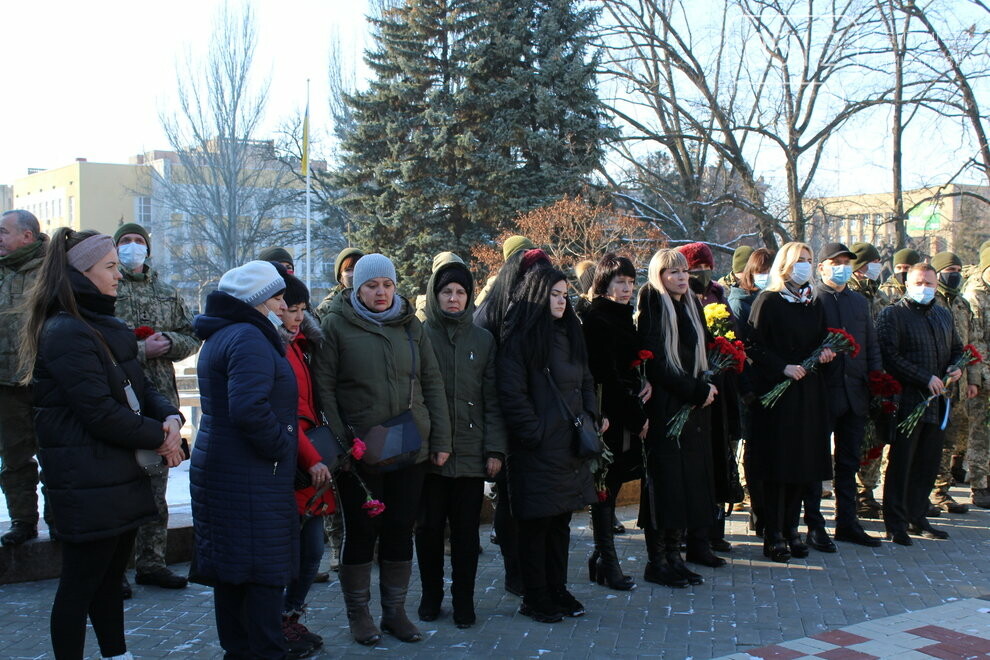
pixel 243 462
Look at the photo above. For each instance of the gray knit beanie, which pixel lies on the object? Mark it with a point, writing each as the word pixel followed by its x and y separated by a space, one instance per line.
pixel 371 266
pixel 253 283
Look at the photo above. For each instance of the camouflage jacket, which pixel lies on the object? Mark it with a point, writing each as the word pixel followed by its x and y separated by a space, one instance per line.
pixel 977 294
pixel 962 317
pixel 324 307
pixel 729 280
pixel 18 271
pixel 871 291
pixel 143 299
pixel 893 290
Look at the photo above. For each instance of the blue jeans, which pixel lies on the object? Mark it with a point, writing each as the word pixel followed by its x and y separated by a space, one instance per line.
pixel 310 553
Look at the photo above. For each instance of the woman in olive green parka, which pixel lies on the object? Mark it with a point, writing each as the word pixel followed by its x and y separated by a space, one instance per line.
pixel 374 351
pixel 453 492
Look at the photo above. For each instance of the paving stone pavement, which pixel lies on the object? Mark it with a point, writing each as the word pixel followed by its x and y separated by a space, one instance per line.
pixel 749 604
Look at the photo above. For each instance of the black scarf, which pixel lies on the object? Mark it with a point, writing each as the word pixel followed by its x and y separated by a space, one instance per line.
pixel 88 297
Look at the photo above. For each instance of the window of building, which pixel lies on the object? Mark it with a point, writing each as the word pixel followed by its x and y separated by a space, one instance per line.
pixel 142 210
pixel 72 210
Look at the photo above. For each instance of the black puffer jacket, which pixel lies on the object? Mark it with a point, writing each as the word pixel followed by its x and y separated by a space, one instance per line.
pixel 545 476
pixel 87 432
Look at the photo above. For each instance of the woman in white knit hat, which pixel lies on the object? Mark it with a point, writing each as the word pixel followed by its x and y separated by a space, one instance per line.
pixel 376 364
pixel 241 480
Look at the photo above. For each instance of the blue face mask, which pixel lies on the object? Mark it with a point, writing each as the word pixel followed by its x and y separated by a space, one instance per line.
pixel 921 294
pixel 841 274
pixel 761 280
pixel 801 273
pixel 873 270
pixel 274 319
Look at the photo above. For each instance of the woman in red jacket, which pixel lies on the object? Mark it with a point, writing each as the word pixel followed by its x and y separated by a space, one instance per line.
pixel 315 500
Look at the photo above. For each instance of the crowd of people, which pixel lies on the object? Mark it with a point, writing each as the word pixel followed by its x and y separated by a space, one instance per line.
pixel 375 420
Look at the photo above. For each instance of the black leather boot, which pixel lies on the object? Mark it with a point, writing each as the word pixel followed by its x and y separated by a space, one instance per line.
pixel 672 551
pixel 605 569
pixel 658 570
pixel 699 549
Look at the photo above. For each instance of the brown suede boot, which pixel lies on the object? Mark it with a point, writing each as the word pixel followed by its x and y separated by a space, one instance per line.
pixel 355 585
pixel 393 581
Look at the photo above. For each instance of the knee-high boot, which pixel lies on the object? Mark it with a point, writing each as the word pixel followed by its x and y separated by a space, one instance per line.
pixel 603 566
pixel 394 583
pixel 672 550
pixel 658 569
pixel 355 585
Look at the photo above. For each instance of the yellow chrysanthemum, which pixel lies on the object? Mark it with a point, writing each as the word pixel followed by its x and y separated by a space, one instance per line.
pixel 715 312
pixel 730 335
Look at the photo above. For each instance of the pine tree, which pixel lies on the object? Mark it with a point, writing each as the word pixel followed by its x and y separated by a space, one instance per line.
pixel 478 110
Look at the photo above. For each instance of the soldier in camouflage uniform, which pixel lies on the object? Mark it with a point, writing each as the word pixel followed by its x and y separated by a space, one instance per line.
pixel 739 258
pixel 22 249
pixel 894 287
pixel 343 272
pixel 144 300
pixel 977 294
pixel 949 295
pixel 866 281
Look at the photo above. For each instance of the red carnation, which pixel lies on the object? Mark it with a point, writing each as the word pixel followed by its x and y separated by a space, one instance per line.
pixel 373 507
pixel 635 363
pixel 974 355
pixel 358 448
pixel 143 332
pixel 602 495
pixel 888 407
pixel 645 355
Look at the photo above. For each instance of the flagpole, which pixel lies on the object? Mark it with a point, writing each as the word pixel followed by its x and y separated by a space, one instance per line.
pixel 309 248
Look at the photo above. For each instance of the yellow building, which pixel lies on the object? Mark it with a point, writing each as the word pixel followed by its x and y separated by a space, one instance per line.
pixel 952 218
pixel 85 195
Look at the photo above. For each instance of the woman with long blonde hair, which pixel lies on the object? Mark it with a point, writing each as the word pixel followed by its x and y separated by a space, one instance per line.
pixel 678 489
pixel 791 439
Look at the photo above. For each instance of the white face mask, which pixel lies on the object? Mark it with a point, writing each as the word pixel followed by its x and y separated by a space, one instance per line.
pixel 841 274
pixel 801 273
pixel 132 255
pixel 274 318
pixel 873 270
pixel 761 280
pixel 921 294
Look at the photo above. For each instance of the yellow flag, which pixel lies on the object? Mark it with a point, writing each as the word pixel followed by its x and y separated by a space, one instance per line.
pixel 305 153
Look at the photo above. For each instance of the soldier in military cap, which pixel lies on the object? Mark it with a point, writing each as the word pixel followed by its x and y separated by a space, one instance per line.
pixel 22 249
pixel 143 299
pixel 977 294
pixel 894 287
pixel 948 266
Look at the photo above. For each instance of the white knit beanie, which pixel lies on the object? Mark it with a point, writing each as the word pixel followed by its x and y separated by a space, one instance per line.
pixel 253 283
pixel 371 266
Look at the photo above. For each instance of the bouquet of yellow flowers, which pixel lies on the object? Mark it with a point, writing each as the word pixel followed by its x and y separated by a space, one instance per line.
pixel 718 318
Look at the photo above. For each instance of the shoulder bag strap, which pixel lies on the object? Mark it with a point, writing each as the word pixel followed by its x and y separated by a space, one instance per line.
pixel 132 400
pixel 564 408
pixel 412 371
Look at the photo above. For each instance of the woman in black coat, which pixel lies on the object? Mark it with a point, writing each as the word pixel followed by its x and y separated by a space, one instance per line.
pixel 93 409
pixel 790 440
pixel 613 347
pixel 678 492
pixel 542 371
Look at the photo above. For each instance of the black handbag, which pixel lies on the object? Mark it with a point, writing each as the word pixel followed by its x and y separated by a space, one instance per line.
pixel 328 446
pixel 396 442
pixel 587 439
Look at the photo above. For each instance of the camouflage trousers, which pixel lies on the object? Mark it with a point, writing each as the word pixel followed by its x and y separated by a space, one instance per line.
pixel 956 441
pixel 18 446
pixel 152 537
pixel 868 476
pixel 978 451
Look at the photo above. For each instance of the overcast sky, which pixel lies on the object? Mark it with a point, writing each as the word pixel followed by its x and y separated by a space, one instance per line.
pixel 88 79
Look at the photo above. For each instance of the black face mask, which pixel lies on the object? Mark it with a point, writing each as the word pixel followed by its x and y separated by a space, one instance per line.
pixel 950 280
pixel 700 279
pixel 901 277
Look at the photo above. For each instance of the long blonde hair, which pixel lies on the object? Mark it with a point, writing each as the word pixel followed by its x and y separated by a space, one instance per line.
pixel 663 260
pixel 783 264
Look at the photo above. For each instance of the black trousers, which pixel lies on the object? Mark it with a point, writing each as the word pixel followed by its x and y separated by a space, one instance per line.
pixel 543 546
pixel 249 620
pixel 89 586
pixel 392 531
pixel 457 502
pixel 781 508
pixel 507 532
pixel 849 430
pixel 912 466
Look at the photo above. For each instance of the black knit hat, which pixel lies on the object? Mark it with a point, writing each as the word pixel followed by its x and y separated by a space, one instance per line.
pixel 453 272
pixel 295 291
pixel 865 253
pixel 132 228
pixel 943 260
pixel 906 257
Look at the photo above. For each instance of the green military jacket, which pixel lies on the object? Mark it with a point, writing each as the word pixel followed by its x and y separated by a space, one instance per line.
pixel 977 294
pixel 871 291
pixel 143 299
pixel 18 271
pixel 466 357
pixel 893 290
pixel 362 374
pixel 962 317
